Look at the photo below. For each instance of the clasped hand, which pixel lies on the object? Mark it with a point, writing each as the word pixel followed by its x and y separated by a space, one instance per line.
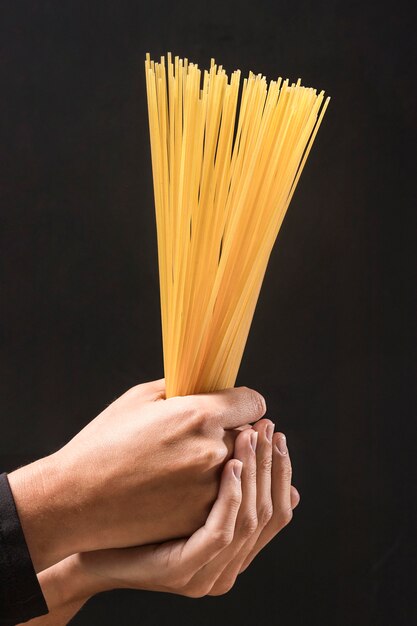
pixel 146 471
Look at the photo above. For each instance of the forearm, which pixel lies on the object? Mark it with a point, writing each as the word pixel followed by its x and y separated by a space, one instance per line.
pixel 48 508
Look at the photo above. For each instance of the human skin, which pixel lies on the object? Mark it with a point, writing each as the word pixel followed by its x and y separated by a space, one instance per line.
pixel 247 514
pixel 145 470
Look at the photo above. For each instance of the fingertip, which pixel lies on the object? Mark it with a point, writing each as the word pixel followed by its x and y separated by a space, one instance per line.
pixel 295 497
pixel 242 442
pixel 265 426
pixel 232 472
pixel 280 444
pixel 259 404
pixel 237 467
pixel 254 401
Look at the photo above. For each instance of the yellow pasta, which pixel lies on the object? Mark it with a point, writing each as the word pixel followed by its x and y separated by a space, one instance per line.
pixel 225 166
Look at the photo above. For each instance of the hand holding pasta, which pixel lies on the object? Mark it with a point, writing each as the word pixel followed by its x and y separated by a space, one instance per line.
pixel 224 175
pixel 254 503
pixel 145 470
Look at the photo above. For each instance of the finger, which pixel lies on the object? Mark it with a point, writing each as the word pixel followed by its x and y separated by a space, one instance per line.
pixel 245 452
pixel 228 408
pixel 203 581
pixel 265 429
pixel 281 496
pixel 218 531
pixel 229 439
pixel 281 477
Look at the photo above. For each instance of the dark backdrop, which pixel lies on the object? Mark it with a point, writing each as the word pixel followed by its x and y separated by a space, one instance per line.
pixel 332 345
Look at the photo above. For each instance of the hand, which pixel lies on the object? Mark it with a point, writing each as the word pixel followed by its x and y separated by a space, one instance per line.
pixel 145 470
pixel 270 501
pixel 245 517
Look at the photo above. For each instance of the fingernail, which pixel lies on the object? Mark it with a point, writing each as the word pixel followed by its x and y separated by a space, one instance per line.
pixel 254 440
pixel 237 469
pixel 270 431
pixel 282 445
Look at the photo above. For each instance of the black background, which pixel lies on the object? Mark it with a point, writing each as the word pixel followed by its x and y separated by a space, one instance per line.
pixel 333 341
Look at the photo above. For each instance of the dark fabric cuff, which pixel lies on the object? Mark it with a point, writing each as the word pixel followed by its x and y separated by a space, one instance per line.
pixel 21 596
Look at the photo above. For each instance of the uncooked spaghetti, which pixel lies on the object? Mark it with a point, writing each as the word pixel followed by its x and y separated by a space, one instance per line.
pixel 224 171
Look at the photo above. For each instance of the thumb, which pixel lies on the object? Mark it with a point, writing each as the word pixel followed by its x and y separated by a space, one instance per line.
pixel 231 408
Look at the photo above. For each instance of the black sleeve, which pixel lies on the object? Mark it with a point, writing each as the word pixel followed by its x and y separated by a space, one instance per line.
pixel 21 597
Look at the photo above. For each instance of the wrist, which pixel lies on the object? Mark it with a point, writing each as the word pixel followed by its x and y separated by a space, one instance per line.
pixel 46 511
pixel 67 582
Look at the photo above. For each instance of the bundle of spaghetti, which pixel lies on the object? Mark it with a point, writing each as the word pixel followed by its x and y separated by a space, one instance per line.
pixel 225 166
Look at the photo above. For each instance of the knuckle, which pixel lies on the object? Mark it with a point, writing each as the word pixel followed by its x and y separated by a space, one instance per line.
pixel 193 414
pixel 197 592
pixel 248 525
pixel 223 587
pixel 184 407
pixel 287 472
pixel 234 502
pixel 213 454
pixel 266 464
pixel 197 419
pixel 284 517
pixel 201 417
pixel 180 580
pixel 287 516
pixel 221 538
pixel 265 514
pixel 196 424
